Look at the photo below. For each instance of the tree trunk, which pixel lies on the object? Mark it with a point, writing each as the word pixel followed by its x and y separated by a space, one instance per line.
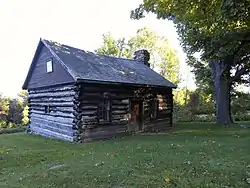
pixel 222 92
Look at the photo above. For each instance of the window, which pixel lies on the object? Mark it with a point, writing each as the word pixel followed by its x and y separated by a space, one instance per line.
pixel 47 109
pixel 163 103
pixel 49 66
pixel 104 110
pixel 154 108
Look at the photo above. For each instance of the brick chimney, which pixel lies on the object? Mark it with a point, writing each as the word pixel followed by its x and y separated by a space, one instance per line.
pixel 142 56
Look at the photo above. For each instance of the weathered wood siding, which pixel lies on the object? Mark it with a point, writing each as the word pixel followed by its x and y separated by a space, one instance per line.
pixel 74 111
pixel 90 97
pixel 163 119
pixel 40 77
pixel 58 123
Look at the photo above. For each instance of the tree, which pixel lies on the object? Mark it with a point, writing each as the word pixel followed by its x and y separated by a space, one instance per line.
pixel 15 112
pixel 220 31
pixel 4 107
pixel 161 55
pixel 111 47
pixel 23 98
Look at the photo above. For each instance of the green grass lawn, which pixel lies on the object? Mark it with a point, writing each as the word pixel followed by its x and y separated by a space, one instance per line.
pixel 190 155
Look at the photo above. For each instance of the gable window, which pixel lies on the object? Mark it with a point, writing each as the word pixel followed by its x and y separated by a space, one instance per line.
pixel 49 66
pixel 105 109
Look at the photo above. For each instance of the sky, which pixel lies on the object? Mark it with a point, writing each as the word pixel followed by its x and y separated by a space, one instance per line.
pixel 78 23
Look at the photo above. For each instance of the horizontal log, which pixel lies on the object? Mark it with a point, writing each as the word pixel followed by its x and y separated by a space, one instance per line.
pixel 88 118
pixel 92 123
pixel 53 89
pixel 119 122
pixel 119 117
pixel 90 102
pixel 55 123
pixel 55 114
pixel 53 118
pixel 120 107
pixel 121 97
pixel 118 112
pixel 121 102
pixel 57 104
pixel 51 134
pixel 52 94
pixel 57 109
pixel 102 135
pixel 53 128
pixel 89 107
pixel 91 96
pixel 89 113
pixel 52 99
pixel 109 128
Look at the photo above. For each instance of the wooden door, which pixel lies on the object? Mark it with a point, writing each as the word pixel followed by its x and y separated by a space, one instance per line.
pixel 136 113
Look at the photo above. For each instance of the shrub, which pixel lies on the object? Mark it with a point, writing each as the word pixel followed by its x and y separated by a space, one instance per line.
pixel 205 118
pixel 12 125
pixel 3 124
pixel 241 117
pixel 182 114
pixel 13 130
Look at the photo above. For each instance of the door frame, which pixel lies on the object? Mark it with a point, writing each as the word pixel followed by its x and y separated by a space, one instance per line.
pixel 139 121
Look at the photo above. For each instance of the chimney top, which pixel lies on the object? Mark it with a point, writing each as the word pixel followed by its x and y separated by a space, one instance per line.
pixel 142 56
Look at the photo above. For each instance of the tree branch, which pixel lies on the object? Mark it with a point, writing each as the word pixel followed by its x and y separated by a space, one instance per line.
pixel 239 73
pixel 243 42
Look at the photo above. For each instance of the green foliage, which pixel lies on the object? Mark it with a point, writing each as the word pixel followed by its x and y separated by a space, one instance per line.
pixel 112 47
pixel 182 114
pixel 202 24
pixel 25 119
pixel 4 107
pixel 13 130
pixel 191 155
pixel 204 118
pixel 3 124
pixel 203 75
pixel 242 117
pixel 240 103
pixel 12 125
pixel 193 106
pixel 161 55
pixel 219 31
pixel 14 112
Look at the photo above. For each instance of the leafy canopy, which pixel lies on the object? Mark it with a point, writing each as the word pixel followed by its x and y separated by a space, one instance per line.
pixel 161 55
pixel 219 29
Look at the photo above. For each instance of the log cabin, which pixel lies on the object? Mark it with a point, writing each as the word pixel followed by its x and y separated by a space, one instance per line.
pixel 76 95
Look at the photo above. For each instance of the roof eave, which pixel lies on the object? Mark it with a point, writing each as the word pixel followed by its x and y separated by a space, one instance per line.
pixel 117 83
pixel 32 65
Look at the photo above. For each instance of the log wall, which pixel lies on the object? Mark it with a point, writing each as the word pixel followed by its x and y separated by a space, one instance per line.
pixel 90 98
pixel 74 111
pixel 58 121
pixel 163 119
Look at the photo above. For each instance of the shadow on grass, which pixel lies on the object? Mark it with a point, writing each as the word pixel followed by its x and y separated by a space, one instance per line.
pixel 208 129
pixel 204 129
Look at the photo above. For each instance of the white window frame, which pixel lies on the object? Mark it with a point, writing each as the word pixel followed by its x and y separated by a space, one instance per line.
pixel 49 66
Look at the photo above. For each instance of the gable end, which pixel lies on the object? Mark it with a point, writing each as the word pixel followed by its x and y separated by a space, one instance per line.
pixel 38 75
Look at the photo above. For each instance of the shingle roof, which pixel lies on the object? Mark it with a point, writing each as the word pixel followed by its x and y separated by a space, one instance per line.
pixel 84 65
